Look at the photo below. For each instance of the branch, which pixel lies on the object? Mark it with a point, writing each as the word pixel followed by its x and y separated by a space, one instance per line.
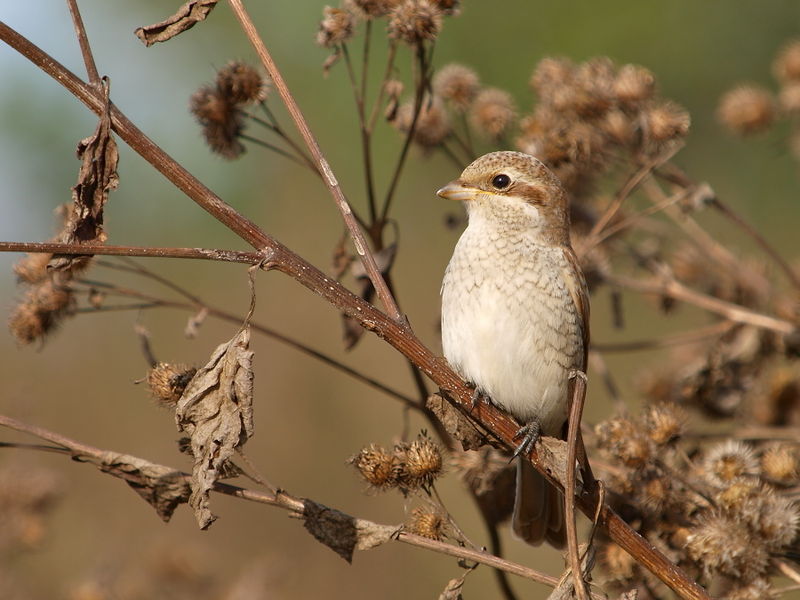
pixel 360 242
pixel 83 41
pixel 397 334
pixel 281 499
pixel 252 258
pixel 674 289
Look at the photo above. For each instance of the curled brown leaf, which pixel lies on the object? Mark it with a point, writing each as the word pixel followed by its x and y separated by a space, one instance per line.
pixel 216 411
pixel 186 17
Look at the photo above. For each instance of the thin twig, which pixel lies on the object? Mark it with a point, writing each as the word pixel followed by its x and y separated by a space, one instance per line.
pixel 676 175
pixel 96 249
pixel 573 431
pixel 676 339
pixel 360 243
pixel 421 84
pixel 83 42
pixel 673 289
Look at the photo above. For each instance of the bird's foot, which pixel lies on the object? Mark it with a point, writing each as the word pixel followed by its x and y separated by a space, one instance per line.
pixel 530 434
pixel 477 395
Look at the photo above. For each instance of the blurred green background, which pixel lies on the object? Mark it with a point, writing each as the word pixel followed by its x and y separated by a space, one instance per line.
pixel 309 419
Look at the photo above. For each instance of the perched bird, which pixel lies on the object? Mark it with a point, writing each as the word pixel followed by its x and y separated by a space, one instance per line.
pixel 515 313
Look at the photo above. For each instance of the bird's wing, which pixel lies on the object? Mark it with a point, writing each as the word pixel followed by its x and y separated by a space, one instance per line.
pixel 576 284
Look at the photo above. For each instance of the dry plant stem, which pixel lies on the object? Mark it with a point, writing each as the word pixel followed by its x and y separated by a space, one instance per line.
pixel 630 185
pixel 387 74
pixel 570 519
pixel 676 175
pixel 395 333
pixel 726 210
pixel 283 500
pixel 360 243
pixel 419 94
pixel 366 140
pixel 688 337
pixel 83 41
pixel 236 256
pixel 676 290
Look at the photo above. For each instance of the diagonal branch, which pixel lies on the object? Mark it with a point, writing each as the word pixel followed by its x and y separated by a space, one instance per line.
pixel 359 241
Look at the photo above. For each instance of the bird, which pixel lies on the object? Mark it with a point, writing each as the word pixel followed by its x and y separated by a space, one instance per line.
pixel 515 314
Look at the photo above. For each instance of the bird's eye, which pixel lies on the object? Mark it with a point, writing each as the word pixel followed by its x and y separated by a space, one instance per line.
pixel 501 181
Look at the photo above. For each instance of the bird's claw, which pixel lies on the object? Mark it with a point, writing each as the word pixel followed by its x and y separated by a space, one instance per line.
pixel 476 397
pixel 530 434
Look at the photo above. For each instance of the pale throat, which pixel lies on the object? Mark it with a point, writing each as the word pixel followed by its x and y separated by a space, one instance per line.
pixel 506 216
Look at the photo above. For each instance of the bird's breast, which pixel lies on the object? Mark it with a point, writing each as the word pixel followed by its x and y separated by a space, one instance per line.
pixel 510 326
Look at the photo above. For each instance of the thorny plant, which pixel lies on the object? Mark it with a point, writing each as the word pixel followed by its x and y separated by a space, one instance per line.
pixel 717 502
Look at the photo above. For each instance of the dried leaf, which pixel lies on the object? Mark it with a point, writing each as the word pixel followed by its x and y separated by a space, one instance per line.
pixel 455 423
pixel 216 411
pixel 453 589
pixel 96 178
pixel 186 17
pixel 342 533
pixel 162 487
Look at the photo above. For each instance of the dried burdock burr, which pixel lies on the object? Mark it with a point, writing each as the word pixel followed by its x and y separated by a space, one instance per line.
pixel 456 84
pixel 419 463
pixel 415 22
pixel 492 113
pixel 240 83
pixel 728 461
pixel 376 466
pixel 168 381
pixel 337 26
pixel 786 66
pixel 747 109
pixel 427 523
pixel 40 311
pixel 780 464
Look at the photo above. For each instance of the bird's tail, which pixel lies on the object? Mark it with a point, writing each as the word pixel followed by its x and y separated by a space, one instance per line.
pixel 538 508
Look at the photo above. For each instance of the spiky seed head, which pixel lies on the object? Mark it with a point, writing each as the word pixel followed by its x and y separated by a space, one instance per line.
pixel 492 112
pixel 728 461
pixel 666 121
pixel 456 84
pixel 167 382
pixel 419 463
pixel 780 464
pixel 337 26
pixel 786 67
pixel 415 22
pixel 241 83
pixel 634 85
pixel 376 466
pixel 40 311
pixel 427 523
pixel 746 109
pixel 664 422
pixel 433 124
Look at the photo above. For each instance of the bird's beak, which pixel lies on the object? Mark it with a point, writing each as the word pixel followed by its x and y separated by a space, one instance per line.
pixel 455 190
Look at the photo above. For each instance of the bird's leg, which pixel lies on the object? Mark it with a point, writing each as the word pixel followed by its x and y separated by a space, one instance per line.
pixel 530 434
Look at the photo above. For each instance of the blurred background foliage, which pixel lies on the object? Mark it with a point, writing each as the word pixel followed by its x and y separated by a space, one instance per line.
pixel 309 419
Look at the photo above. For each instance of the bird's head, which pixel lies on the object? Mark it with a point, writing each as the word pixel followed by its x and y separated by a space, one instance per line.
pixel 514 191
